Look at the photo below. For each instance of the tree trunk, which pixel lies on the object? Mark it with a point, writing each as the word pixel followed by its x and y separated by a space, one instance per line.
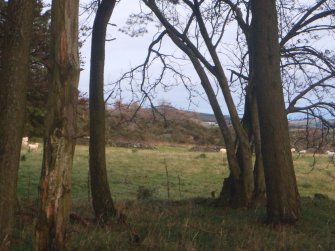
pixel 60 124
pixel 260 189
pixel 251 121
pixel 238 188
pixel 14 70
pixel 282 195
pixel 101 195
pixel 245 181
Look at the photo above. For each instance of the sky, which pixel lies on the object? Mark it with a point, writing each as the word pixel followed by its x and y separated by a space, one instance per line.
pixel 125 52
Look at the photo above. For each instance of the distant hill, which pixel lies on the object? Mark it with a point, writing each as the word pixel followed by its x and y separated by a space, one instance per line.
pixel 293 123
pixel 132 123
pixel 302 123
pixel 206 117
pixel 165 123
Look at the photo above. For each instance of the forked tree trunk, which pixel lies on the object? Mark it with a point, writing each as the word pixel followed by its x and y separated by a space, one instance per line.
pixel 252 118
pixel 237 190
pixel 251 123
pixel 245 182
pixel 14 70
pixel 283 204
pixel 101 196
pixel 259 178
pixel 59 140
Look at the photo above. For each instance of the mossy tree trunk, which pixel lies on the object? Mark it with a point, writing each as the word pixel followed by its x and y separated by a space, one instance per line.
pixel 14 70
pixel 101 196
pixel 283 205
pixel 60 124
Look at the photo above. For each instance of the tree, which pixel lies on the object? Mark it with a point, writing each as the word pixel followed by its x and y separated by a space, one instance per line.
pixel 239 187
pixel 37 93
pixel 37 85
pixel 306 67
pixel 283 205
pixel 14 68
pixel 299 21
pixel 101 196
pixel 60 126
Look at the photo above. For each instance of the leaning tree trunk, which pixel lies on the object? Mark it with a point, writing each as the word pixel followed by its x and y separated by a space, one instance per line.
pixel 260 189
pixel 101 195
pixel 282 194
pixel 250 120
pixel 251 111
pixel 251 123
pixel 237 190
pixel 14 70
pixel 244 155
pixel 59 140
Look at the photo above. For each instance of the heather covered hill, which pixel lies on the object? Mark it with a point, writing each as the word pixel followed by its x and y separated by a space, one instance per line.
pixel 129 123
pixel 162 124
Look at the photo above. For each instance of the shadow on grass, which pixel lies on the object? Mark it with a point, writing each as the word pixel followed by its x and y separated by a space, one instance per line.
pixel 193 224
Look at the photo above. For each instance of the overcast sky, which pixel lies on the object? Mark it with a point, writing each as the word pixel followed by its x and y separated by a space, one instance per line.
pixel 126 52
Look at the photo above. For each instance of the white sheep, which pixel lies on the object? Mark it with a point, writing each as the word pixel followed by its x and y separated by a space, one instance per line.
pixel 25 141
pixel 292 150
pixel 223 150
pixel 33 147
pixel 302 152
pixel 330 155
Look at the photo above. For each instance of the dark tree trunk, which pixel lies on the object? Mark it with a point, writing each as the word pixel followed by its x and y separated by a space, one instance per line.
pixel 260 189
pixel 252 119
pixel 101 195
pixel 251 123
pixel 283 204
pixel 60 124
pixel 14 68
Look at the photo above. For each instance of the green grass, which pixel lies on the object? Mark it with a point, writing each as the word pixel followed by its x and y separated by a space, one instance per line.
pixel 184 222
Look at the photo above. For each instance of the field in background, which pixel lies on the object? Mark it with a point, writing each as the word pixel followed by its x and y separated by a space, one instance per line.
pixel 190 174
pixel 177 213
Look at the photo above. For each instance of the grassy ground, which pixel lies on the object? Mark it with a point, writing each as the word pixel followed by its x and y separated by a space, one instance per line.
pixel 177 214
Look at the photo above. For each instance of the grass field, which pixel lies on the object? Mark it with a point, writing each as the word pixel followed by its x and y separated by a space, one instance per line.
pixel 177 214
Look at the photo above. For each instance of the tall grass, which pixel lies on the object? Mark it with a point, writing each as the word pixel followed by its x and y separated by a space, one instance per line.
pixel 187 221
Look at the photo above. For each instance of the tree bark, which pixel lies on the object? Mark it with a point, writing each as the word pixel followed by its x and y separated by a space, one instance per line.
pixel 259 178
pixel 60 124
pixel 251 123
pixel 14 70
pixel 282 195
pixel 101 196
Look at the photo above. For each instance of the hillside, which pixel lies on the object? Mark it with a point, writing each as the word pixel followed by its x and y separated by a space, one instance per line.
pixel 128 123
pixel 165 123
